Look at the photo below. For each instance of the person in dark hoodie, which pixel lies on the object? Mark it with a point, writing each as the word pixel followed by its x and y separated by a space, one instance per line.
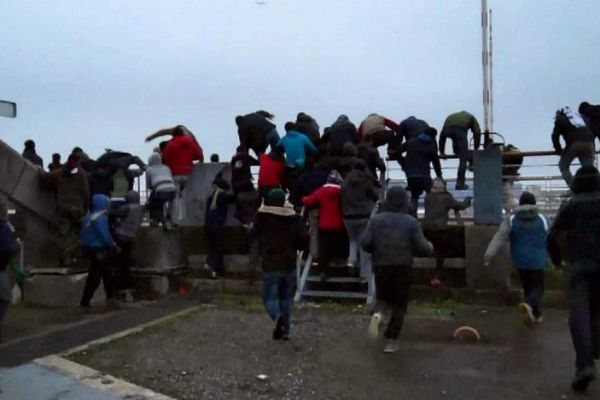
pixel 359 196
pixel 438 203
pixel 257 132
pixel 373 161
pixel 591 115
pixel 127 221
pixel 8 248
pixel 393 237
pixel 526 230
pixel 308 126
pixel 421 152
pixel 55 164
pixel 574 239
pixel 408 128
pixel 217 205
pixel 342 131
pixel 579 143
pixel 456 127
pixel 30 155
pixel 72 199
pixel 99 248
pixel 242 183
pixel 280 233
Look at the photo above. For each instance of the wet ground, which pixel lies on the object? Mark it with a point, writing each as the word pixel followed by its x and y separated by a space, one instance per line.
pixel 219 351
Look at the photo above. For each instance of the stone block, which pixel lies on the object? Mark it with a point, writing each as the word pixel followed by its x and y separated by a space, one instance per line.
pixel 158 250
pixel 497 275
pixel 59 290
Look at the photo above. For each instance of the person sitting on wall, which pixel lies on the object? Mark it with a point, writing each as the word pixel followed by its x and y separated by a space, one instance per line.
pixel 271 173
pixel 30 155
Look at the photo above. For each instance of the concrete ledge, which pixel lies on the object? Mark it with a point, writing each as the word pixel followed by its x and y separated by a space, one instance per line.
pixel 59 290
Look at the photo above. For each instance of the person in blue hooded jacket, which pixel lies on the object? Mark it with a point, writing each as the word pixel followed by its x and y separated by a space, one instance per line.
pixel 98 246
pixel 526 231
pixel 421 152
pixel 297 146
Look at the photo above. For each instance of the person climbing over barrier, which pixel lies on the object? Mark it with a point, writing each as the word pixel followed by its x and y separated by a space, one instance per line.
pixel 256 132
pixel 456 127
pixel 160 183
pixel 281 233
pixel 574 241
pixel 393 237
pixel 377 130
pixel 579 143
pixel 242 183
pixel 271 173
pixel 421 153
pixel 526 231
pixel 591 115
pixel 438 203
pixel 332 234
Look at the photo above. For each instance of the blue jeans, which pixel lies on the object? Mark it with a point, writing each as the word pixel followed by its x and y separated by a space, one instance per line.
pixel 277 296
pixel 356 227
pixel 584 318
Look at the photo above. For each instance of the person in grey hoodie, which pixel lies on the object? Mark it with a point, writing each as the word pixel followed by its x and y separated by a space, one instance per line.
pixel 393 237
pixel 159 180
pixel 358 200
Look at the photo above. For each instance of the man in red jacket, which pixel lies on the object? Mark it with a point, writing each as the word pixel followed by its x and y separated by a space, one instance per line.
pixel 332 233
pixel 179 155
pixel 271 173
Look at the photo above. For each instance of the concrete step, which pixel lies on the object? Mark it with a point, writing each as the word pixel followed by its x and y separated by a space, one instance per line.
pixel 335 279
pixel 337 295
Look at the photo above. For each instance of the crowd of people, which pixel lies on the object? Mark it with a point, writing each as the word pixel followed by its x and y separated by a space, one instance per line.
pixel 325 196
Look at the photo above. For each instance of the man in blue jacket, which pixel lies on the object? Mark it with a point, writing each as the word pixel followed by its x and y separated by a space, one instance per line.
pixel 99 247
pixel 526 231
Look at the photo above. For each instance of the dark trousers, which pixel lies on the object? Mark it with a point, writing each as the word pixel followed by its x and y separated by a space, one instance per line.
pixel 247 204
pixel 100 269
pixel 584 151
pixel 277 296
pixel 124 260
pixel 417 185
pixel 156 205
pixel 460 146
pixel 331 244
pixel 214 238
pixel 584 318
pixel 392 283
pixel 533 288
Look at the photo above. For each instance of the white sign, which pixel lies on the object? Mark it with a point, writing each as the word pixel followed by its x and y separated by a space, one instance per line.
pixel 8 109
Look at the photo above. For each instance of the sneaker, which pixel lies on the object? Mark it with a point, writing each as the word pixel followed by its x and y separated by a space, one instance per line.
pixel 207 267
pixel 213 275
pixel 583 377
pixel 391 346
pixel 286 337
pixel 529 318
pixel 374 326
pixel 278 331
pixel 539 319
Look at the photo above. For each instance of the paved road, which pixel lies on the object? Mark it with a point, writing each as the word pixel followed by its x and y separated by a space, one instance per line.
pixel 217 353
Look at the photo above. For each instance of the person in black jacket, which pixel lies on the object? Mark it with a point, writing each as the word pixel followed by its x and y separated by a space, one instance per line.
pixel 579 143
pixel 280 233
pixel 409 128
pixel 8 247
pixel 217 205
pixel 30 154
pixel 257 132
pixel 421 152
pixel 342 131
pixel 242 182
pixel 591 115
pixel 574 238
pixel 308 126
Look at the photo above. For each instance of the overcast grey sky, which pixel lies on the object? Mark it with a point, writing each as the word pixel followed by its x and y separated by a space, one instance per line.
pixel 107 73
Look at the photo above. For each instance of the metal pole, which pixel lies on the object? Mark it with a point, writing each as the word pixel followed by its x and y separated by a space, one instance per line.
pixel 491 75
pixel 485 64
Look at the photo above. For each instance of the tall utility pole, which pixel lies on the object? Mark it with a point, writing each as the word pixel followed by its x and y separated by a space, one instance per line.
pixel 486 62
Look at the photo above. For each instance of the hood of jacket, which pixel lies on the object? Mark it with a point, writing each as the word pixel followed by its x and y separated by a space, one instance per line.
pixel 396 200
pixel 132 197
pixel 100 202
pixel 526 211
pixel 155 159
pixel 280 211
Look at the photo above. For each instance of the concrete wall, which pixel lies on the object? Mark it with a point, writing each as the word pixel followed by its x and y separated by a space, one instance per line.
pixel 35 218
